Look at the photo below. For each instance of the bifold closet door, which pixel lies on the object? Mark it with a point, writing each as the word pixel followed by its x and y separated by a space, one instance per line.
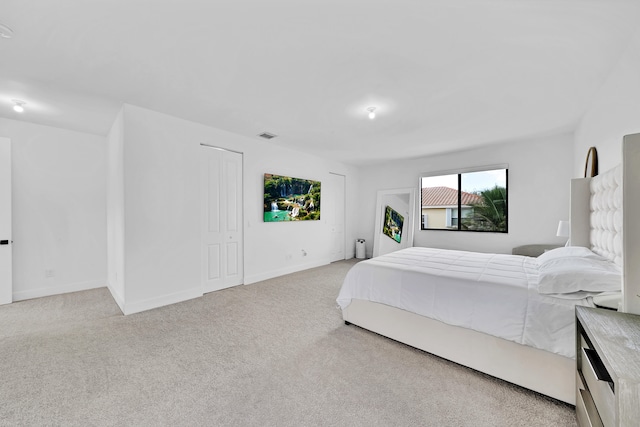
pixel 221 199
pixel 6 287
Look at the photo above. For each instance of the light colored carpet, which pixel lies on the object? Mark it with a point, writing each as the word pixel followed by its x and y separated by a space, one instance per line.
pixel 276 353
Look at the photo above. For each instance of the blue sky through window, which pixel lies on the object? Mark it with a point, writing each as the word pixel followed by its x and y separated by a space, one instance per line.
pixel 471 181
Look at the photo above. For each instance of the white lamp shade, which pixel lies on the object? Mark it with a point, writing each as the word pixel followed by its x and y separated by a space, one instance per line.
pixel 563 229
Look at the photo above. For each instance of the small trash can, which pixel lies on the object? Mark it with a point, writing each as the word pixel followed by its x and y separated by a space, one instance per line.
pixel 360 249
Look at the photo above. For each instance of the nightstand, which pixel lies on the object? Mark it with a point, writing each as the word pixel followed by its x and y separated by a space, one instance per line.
pixel 608 368
pixel 533 250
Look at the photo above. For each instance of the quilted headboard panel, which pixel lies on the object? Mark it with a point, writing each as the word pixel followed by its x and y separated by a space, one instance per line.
pixel 606 214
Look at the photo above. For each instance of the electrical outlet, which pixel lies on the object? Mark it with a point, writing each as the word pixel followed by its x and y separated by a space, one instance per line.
pixel 304 253
pixel 48 273
pixel 288 256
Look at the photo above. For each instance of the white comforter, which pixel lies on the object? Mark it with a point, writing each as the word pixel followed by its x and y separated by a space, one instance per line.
pixel 491 293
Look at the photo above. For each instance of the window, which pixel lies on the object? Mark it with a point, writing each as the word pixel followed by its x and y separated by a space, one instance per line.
pixel 467 201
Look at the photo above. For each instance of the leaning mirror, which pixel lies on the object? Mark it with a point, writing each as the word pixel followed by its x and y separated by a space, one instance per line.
pixel 395 212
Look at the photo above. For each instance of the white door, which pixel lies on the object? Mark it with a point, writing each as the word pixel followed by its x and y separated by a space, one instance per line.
pixel 336 217
pixel 221 198
pixel 5 221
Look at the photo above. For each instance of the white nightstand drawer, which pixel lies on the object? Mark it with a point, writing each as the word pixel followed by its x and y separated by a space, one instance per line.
pixel 598 384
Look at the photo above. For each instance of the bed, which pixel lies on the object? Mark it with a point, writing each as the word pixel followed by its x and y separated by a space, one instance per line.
pixel 379 294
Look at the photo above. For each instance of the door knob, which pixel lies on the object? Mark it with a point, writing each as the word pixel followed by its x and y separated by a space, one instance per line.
pixel 4 242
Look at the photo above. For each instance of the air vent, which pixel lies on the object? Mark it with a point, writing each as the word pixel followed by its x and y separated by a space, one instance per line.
pixel 267 135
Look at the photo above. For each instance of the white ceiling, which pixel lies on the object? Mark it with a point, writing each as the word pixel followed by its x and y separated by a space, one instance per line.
pixel 445 75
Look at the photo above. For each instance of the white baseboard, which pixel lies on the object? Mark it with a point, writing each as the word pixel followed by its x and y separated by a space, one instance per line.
pixel 119 299
pixel 59 289
pixel 137 307
pixel 248 280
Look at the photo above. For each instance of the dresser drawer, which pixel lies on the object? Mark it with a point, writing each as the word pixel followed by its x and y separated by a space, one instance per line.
pixel 586 411
pixel 597 382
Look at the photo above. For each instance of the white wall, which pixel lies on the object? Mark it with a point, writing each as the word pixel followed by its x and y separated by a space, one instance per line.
pixel 58 209
pixel 614 112
pixel 162 208
pixel 115 210
pixel 539 173
pixel 161 211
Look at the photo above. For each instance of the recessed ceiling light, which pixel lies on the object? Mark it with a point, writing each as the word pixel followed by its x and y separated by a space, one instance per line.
pixel 18 106
pixel 5 31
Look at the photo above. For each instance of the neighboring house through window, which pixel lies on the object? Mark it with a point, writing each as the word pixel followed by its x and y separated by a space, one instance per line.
pixel 440 207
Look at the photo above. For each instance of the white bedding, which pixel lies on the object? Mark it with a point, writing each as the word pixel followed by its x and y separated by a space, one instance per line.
pixel 490 293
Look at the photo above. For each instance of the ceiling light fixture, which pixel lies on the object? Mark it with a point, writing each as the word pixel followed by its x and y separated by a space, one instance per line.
pixel 267 135
pixel 18 106
pixel 372 112
pixel 5 32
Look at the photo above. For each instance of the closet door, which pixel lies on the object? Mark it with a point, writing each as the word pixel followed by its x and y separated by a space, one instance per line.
pixel 221 199
pixel 5 222
pixel 337 216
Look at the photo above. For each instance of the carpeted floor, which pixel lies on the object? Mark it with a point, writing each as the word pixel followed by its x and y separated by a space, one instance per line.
pixel 275 353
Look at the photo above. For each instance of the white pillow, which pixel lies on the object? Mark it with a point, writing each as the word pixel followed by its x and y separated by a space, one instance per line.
pixel 573 274
pixel 567 251
pixel 608 299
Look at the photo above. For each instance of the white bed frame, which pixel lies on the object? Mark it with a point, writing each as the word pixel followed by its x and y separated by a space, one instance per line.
pixel 547 373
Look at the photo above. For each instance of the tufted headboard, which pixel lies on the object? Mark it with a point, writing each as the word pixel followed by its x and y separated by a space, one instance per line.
pixel 605 218
pixel 605 206
pixel 596 214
